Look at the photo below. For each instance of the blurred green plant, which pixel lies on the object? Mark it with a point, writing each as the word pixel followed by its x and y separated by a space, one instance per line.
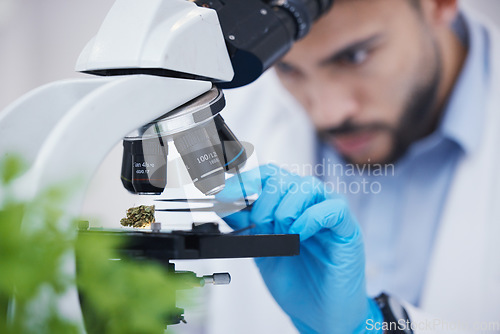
pixel 127 297
pixel 123 296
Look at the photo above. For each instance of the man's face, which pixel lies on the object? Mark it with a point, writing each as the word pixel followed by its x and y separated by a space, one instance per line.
pixel 367 74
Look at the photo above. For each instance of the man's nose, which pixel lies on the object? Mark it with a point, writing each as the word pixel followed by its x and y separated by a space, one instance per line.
pixel 331 104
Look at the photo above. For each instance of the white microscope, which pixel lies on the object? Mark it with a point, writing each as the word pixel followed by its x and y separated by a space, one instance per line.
pixel 162 65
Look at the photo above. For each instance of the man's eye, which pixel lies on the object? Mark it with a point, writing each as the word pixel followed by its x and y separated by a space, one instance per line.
pixel 356 57
pixel 285 68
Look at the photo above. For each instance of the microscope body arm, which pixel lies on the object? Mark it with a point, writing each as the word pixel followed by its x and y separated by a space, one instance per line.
pixel 64 130
pixel 26 123
pixel 162 37
pixel 76 129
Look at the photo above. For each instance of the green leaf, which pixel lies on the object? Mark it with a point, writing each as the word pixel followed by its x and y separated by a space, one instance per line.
pixel 125 297
pixel 11 166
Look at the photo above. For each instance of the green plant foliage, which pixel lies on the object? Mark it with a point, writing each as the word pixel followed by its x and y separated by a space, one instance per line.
pixel 30 262
pixel 11 166
pixel 126 296
pixel 131 297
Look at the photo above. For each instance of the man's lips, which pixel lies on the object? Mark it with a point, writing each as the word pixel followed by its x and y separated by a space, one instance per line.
pixel 354 143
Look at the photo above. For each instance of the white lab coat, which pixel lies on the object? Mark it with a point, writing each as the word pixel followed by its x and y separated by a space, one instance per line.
pixel 462 287
pixel 463 283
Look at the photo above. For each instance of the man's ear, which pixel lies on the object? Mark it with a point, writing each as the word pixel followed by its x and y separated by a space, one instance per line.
pixel 440 12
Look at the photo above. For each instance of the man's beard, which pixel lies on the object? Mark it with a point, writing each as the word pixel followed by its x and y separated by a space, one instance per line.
pixel 417 120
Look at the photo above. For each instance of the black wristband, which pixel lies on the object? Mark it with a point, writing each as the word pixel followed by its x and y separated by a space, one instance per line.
pixel 396 319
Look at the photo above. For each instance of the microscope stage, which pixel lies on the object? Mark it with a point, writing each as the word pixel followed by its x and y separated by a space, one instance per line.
pixel 186 245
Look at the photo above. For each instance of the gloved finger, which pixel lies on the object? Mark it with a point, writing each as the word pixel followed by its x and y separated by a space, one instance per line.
pixel 275 188
pixel 240 220
pixel 302 193
pixel 247 184
pixel 333 215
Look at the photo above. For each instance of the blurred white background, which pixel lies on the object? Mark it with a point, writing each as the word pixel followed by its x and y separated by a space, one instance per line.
pixel 41 40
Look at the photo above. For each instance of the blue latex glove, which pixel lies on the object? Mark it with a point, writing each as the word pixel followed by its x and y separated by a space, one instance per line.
pixel 323 289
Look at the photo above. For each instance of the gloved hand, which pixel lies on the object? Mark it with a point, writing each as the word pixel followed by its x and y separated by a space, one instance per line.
pixel 322 289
